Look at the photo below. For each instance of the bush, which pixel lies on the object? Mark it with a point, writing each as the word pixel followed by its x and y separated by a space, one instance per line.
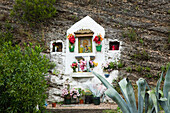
pixel 22 78
pixel 34 10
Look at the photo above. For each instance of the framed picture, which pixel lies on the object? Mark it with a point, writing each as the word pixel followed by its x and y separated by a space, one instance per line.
pixel 85 45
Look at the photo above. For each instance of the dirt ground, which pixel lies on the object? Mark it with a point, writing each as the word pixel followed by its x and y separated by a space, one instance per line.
pixel 81 108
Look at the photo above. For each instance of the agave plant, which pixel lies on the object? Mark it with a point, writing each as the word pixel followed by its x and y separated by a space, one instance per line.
pixel 148 100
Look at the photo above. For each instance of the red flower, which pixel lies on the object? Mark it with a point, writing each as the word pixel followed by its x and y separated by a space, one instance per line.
pixel 96 39
pixel 72 40
pixel 98 42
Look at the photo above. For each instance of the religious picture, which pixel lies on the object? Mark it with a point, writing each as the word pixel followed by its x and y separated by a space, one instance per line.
pixel 85 45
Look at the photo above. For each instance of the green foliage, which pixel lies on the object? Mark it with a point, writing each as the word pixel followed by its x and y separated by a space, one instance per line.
pixel 148 69
pixel 131 34
pixel 52 65
pixel 22 78
pixel 120 64
pixel 165 67
pixel 141 41
pixel 149 101
pixel 118 110
pixel 142 55
pixel 33 11
pixel 6 35
pixel 139 68
pixel 129 69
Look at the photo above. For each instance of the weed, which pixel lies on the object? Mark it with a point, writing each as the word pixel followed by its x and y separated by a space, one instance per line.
pixel 148 69
pixel 129 69
pixel 141 41
pixel 138 68
pixel 131 34
pixel 148 75
pixel 120 64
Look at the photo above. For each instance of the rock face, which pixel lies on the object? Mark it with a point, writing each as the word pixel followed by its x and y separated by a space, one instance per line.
pixel 148 18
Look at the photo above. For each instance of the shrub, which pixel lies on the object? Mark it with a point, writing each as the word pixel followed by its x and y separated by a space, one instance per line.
pixel 22 78
pixel 34 10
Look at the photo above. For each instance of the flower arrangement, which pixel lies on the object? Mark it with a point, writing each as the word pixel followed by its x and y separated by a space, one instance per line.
pixel 82 64
pixel 71 38
pixel 98 39
pixel 74 93
pixel 92 64
pixel 65 93
pixel 108 66
pixel 74 66
pixel 97 89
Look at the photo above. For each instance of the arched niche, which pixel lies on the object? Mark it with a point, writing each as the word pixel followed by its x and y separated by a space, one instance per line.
pixel 114 45
pixel 57 46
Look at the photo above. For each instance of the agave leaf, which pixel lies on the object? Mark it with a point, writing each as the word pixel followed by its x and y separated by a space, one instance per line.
pixel 122 85
pixel 131 96
pixel 141 94
pixel 152 95
pixel 114 95
pixel 169 99
pixel 103 80
pixel 163 103
pixel 158 86
pixel 166 87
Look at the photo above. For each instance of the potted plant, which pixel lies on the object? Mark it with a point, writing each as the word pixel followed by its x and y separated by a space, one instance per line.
pixel 74 96
pixel 92 64
pixel 66 95
pixel 71 39
pixel 74 66
pixel 108 67
pixel 83 65
pixel 82 96
pixel 98 39
pixel 97 91
pixel 88 97
pixel 53 104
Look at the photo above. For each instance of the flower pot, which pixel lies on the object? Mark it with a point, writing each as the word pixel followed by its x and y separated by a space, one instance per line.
pixel 71 48
pixel 67 100
pixel 81 101
pixel 88 99
pixel 98 48
pixel 53 104
pixel 74 70
pixel 74 100
pixel 107 75
pixel 96 100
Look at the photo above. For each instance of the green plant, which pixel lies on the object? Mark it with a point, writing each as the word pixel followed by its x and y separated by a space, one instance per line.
pixel 148 75
pixel 52 65
pixel 141 41
pixel 148 69
pixel 33 11
pixel 129 69
pixel 120 64
pixel 130 34
pixel 6 35
pixel 139 68
pixel 148 100
pixel 22 78
pixel 88 92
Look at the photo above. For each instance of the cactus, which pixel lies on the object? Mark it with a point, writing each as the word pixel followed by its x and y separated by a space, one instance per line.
pixel 147 98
